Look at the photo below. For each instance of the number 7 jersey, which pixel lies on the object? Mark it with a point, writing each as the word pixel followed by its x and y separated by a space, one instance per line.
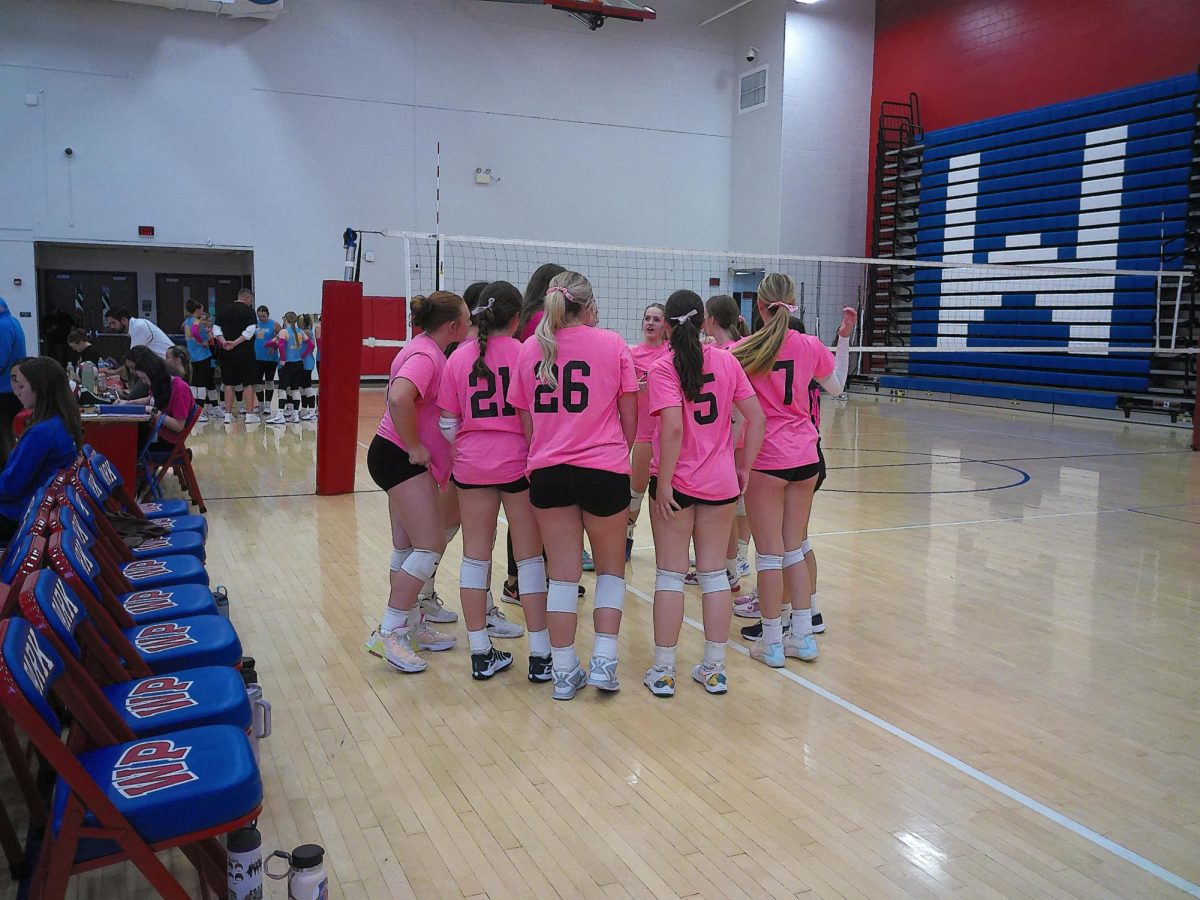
pixel 577 423
pixel 490 447
pixel 791 438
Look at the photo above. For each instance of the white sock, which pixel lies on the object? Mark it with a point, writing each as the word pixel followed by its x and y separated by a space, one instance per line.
pixel 813 602
pixel 539 643
pixel 491 604
pixel 605 645
pixel 785 614
pixel 664 657
pixel 479 640
pixel 743 548
pixel 802 622
pixel 772 630
pixel 564 658
pixel 393 619
pixel 714 653
pixel 731 567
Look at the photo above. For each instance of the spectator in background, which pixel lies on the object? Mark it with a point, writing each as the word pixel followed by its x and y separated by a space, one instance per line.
pixel 82 350
pixel 170 394
pixel 56 328
pixel 51 442
pixel 12 348
pixel 142 332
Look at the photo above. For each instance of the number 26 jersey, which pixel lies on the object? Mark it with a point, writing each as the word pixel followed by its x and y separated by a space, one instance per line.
pixel 490 446
pixel 577 423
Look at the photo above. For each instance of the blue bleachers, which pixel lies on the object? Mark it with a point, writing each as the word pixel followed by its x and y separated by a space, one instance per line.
pixel 1101 183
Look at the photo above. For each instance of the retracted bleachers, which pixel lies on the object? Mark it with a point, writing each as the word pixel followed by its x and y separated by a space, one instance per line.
pixel 1100 183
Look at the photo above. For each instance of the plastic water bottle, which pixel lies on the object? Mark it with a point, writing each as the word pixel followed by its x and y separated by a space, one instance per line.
pixel 260 707
pixel 245 865
pixel 306 872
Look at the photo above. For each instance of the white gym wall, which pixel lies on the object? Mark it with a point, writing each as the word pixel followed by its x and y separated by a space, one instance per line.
pixel 274 136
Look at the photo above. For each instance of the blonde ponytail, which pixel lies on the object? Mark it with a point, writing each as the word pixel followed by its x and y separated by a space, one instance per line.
pixel 757 353
pixel 567 296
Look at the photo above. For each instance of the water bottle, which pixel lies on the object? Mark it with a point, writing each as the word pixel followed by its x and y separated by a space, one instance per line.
pixel 87 376
pixel 261 725
pixel 221 598
pixel 245 865
pixel 306 873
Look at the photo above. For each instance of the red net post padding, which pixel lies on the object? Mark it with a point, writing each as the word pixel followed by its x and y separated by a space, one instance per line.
pixel 341 362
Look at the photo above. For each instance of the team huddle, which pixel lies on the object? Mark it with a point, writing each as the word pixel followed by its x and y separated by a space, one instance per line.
pixel 540 411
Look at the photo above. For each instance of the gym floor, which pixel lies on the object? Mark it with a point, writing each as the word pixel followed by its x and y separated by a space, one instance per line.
pixel 1005 703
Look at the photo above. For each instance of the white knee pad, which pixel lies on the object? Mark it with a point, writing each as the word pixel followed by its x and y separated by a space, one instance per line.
pixel 310 392
pixel 764 562
pixel 531 576
pixel 610 592
pixel 740 509
pixel 421 564
pixel 398 558
pixel 474 574
pixel 562 596
pixel 635 500
pixel 711 582
pixel 665 580
pixel 793 557
pixel 806 547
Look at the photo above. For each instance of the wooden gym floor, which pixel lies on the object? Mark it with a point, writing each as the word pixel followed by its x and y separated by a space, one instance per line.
pixel 1007 701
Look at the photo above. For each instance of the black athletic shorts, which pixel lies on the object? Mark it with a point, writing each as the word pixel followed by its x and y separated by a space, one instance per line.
pixel 596 492
pixel 289 376
pixel 266 370
pixel 511 487
pixel 821 463
pixel 238 368
pixel 389 465
pixel 686 500
pixel 796 473
pixel 203 374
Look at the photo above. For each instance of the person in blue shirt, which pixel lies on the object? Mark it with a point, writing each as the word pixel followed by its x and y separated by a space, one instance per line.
pixel 308 359
pixel 50 443
pixel 12 348
pixel 266 354
pixel 197 335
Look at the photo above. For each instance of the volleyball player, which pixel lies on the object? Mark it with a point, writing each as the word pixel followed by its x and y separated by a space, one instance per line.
pixel 266 357
pixel 724 325
pixel 650 350
pixel 694 391
pixel 491 451
pixel 197 336
pixel 291 343
pixel 409 459
pixel 308 362
pixel 780 363
pixel 576 390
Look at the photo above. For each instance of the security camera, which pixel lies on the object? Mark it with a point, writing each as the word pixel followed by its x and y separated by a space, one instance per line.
pixel 69 152
pixel 752 54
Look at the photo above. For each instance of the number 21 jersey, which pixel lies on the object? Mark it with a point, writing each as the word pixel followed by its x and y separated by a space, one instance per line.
pixel 490 447
pixel 576 423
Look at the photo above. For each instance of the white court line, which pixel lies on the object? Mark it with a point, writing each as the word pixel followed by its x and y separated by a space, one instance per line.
pixel 970 771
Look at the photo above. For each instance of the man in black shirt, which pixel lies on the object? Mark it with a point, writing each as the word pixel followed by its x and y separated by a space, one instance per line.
pixel 234 329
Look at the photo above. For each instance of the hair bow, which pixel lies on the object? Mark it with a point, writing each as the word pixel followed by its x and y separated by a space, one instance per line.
pixel 482 307
pixel 679 320
pixel 562 290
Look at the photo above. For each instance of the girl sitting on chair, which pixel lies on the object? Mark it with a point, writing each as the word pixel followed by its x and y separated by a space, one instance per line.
pixel 171 395
pixel 51 442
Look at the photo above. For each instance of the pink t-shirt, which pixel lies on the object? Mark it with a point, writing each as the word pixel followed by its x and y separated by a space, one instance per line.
pixel 178 407
pixel 490 447
pixel 577 423
pixel 791 438
pixel 644 358
pixel 705 468
pixel 531 325
pixel 421 361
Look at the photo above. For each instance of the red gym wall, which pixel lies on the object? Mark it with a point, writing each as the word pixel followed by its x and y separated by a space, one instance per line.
pixel 973 59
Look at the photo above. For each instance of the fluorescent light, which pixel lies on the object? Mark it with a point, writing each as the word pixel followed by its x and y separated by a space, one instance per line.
pixel 807 2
